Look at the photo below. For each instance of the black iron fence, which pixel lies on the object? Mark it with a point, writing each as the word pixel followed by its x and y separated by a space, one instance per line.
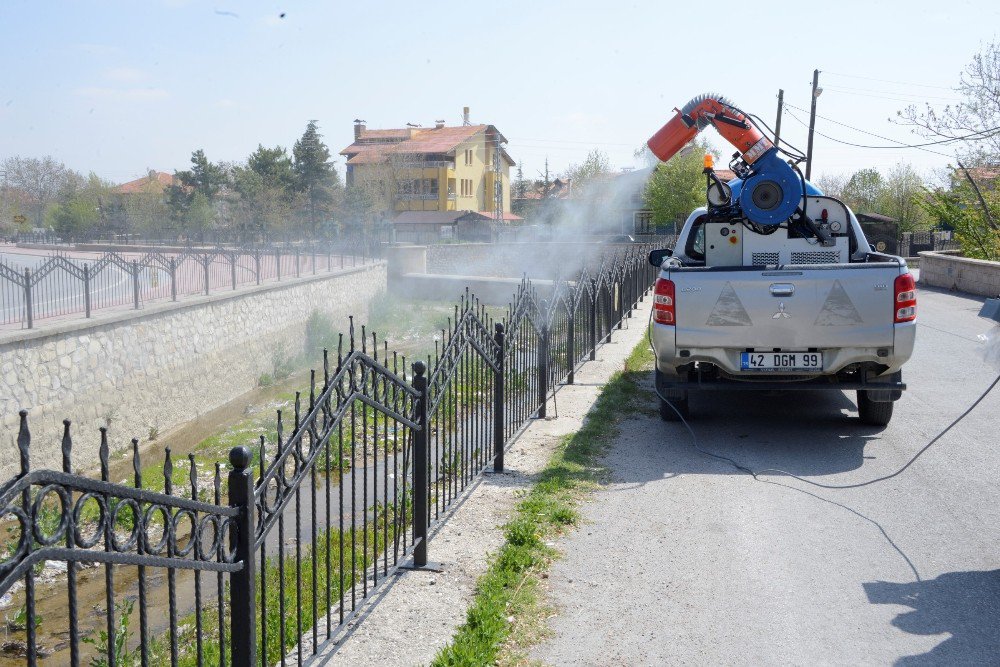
pixel 912 243
pixel 58 285
pixel 318 513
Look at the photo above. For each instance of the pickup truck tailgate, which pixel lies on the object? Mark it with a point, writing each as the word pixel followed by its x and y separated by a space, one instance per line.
pixel 795 307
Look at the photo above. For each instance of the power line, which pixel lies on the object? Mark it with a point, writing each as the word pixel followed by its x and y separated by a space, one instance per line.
pixel 882 93
pixel 904 100
pixel 570 141
pixel 983 134
pixel 901 144
pixel 901 83
pixel 848 143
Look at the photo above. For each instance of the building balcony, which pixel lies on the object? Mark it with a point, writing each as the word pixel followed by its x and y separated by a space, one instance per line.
pixel 426 164
pixel 451 196
pixel 417 197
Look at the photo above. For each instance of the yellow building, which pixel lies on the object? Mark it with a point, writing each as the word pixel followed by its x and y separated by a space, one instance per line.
pixel 429 169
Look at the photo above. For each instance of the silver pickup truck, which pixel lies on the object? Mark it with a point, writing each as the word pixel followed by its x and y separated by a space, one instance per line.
pixel 742 307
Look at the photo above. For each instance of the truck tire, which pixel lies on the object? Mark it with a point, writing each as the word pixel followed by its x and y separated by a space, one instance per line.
pixel 873 413
pixel 669 414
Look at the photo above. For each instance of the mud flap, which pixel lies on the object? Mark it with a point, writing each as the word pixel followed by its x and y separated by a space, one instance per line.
pixel 885 395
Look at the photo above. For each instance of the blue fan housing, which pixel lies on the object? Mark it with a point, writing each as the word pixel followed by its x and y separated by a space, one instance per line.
pixel 770 195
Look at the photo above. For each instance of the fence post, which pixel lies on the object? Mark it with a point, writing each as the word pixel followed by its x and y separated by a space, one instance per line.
pixel 570 348
pixel 86 290
pixel 543 371
pixel 593 319
pixel 173 279
pixel 620 309
pixel 256 265
pixel 243 640
pixel 420 478
pixel 498 390
pixel 314 259
pixel 204 263
pixel 298 263
pixel 28 305
pixel 135 284
pixel 232 268
pixel 277 262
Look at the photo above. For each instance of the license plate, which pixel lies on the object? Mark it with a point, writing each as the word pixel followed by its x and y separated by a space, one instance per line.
pixel 781 361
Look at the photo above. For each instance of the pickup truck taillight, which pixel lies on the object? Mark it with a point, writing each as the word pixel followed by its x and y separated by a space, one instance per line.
pixel 663 302
pixel 906 299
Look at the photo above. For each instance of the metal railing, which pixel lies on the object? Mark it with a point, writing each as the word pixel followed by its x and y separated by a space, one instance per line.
pixel 59 285
pixel 229 238
pixel 417 196
pixel 320 513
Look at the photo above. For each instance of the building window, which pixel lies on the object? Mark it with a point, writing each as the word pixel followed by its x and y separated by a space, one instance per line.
pixel 451 187
pixel 432 186
pixel 468 156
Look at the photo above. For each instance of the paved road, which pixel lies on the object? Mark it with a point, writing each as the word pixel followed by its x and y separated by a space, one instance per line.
pixel 687 561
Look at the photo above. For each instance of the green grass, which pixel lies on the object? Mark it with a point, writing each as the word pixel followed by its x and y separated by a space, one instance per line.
pixel 505 615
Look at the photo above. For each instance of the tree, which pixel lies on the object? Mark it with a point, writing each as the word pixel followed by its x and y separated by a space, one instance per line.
pixel 972 119
pixel 677 187
pixel 520 183
pixel 902 191
pixel 265 189
pixel 38 179
pixel 204 179
pixel 315 175
pixel 85 205
pixel 832 185
pixel 595 166
pixel 863 190
pixel 959 208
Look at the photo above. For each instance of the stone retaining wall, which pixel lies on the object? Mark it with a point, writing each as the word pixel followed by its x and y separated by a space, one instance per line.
pixel 160 367
pixel 948 270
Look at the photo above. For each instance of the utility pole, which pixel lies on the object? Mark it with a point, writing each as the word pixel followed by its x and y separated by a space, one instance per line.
pixel 816 90
pixel 777 122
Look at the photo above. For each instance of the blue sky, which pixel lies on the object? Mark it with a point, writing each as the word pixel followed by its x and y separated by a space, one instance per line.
pixel 119 87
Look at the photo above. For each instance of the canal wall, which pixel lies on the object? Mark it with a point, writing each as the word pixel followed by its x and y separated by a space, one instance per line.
pixel 139 372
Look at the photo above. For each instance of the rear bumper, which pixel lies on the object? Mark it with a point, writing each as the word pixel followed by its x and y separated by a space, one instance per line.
pixel 883 389
pixel 670 361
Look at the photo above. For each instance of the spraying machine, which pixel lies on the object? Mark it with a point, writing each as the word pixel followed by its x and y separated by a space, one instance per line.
pixel 772 285
pixel 767 194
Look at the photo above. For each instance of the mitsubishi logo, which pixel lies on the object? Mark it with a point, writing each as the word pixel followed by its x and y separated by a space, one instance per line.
pixel 781 314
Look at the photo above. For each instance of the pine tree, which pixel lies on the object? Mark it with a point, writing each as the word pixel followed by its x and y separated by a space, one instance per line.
pixel 314 174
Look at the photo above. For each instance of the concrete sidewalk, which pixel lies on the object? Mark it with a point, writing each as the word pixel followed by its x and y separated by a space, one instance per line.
pixel 418 613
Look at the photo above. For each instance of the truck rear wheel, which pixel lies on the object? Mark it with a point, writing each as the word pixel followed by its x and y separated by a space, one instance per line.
pixel 669 414
pixel 873 413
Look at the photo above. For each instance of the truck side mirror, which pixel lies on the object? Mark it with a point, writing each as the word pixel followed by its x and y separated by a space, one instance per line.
pixel 656 257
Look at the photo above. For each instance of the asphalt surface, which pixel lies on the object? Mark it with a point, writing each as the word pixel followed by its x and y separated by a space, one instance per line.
pixel 682 559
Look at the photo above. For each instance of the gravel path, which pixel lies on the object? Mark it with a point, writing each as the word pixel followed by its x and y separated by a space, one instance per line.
pixel 684 560
pixel 419 612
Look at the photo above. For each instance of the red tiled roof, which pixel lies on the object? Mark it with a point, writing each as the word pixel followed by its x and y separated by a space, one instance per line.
pixel 156 181
pixel 414 141
pixel 428 217
pixel 508 217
